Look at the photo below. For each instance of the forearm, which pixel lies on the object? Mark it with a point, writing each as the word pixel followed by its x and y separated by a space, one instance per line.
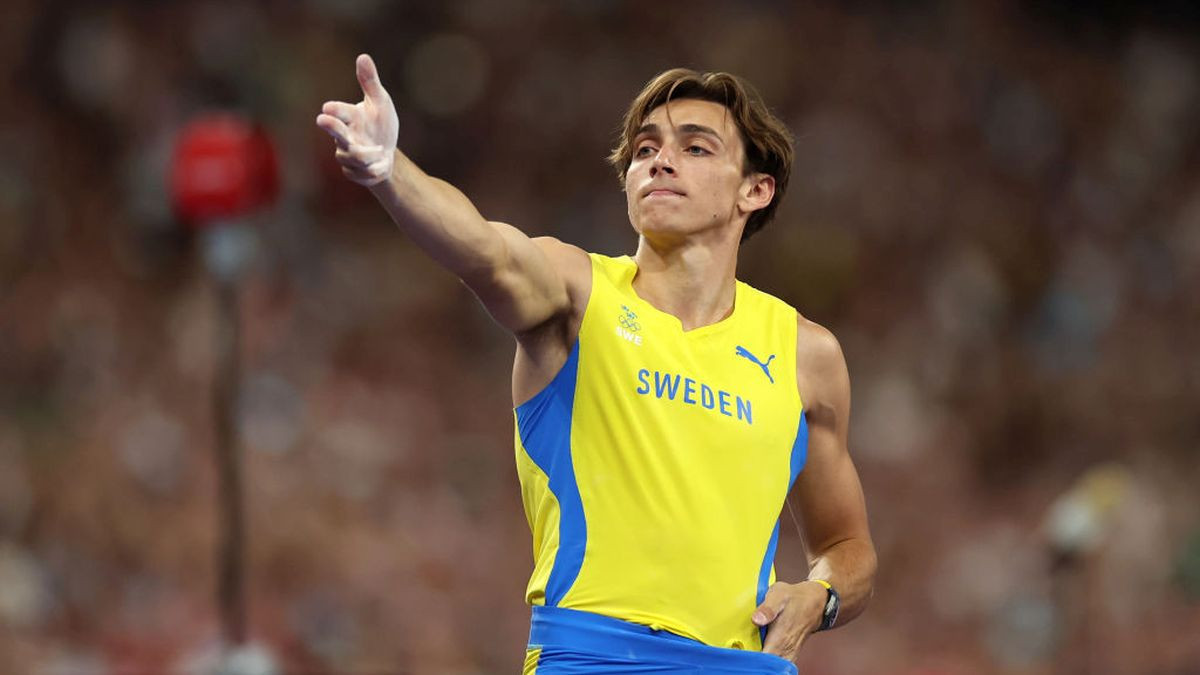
pixel 511 274
pixel 849 566
pixel 441 220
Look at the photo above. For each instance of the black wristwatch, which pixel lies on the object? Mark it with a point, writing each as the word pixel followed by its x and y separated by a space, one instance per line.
pixel 832 605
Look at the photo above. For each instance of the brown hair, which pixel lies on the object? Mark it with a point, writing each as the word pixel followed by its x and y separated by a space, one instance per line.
pixel 767 141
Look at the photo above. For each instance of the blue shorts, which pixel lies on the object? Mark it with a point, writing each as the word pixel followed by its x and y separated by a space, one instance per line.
pixel 572 642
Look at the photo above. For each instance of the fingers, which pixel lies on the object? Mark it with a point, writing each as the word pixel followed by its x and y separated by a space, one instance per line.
pixel 368 78
pixel 781 635
pixel 791 612
pixel 360 157
pixel 336 129
pixel 345 112
pixel 353 126
pixel 784 636
pixel 783 641
pixel 365 165
pixel 774 642
pixel 374 174
pixel 773 603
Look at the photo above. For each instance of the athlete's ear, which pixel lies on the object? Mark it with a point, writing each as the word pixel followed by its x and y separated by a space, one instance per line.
pixel 757 191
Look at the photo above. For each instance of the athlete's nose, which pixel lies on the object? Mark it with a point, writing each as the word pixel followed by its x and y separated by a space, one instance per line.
pixel 662 162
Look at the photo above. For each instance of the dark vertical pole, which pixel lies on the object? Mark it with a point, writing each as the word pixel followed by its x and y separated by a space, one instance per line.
pixel 231 599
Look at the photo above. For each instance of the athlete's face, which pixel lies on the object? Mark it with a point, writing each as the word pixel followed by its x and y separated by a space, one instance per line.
pixel 686 174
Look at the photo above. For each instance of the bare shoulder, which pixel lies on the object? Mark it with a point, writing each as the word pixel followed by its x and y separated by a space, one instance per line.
pixel 821 371
pixel 572 264
pixel 562 253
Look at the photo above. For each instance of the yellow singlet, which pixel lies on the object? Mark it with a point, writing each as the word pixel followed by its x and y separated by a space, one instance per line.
pixel 655 465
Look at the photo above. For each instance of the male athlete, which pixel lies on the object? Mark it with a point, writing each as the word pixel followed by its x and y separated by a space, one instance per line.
pixel 664 410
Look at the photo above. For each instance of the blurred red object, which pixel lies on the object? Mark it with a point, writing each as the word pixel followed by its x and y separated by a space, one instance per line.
pixel 224 167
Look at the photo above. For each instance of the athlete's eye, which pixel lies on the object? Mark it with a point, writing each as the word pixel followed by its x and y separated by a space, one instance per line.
pixel 644 151
pixel 697 151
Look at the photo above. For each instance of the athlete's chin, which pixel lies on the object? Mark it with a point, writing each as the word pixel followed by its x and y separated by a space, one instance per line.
pixel 664 232
pixel 664 223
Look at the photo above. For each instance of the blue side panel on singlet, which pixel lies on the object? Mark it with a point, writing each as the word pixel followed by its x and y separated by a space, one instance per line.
pixel 799 455
pixel 544 425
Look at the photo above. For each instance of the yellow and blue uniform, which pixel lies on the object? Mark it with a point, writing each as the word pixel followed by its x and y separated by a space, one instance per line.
pixel 653 471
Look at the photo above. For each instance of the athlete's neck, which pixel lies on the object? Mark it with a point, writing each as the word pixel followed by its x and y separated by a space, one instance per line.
pixel 693 282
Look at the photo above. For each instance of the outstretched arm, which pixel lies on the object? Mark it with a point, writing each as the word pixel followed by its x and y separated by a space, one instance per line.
pixel 831 504
pixel 518 279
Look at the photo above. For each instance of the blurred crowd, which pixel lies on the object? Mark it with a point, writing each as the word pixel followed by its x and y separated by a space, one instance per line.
pixel 995 207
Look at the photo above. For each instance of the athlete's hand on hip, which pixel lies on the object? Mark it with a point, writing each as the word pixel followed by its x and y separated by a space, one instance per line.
pixel 365 132
pixel 791 612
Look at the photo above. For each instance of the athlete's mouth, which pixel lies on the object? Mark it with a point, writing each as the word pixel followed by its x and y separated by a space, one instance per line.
pixel 661 192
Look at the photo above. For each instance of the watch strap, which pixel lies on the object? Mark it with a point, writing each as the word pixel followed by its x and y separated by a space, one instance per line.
pixel 833 603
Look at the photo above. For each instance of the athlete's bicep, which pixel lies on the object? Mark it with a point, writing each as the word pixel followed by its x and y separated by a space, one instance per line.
pixel 827 492
pixel 533 283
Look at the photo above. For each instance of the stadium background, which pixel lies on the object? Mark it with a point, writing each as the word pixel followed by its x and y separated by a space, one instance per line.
pixel 995 206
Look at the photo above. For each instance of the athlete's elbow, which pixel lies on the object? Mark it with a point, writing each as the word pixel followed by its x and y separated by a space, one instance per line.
pixel 868 567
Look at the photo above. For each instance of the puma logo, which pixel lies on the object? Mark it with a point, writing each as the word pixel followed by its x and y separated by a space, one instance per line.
pixel 742 351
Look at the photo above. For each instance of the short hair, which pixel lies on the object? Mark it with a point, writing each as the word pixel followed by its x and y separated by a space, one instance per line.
pixel 767 142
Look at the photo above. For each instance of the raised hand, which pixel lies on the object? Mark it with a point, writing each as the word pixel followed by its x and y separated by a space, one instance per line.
pixel 365 132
